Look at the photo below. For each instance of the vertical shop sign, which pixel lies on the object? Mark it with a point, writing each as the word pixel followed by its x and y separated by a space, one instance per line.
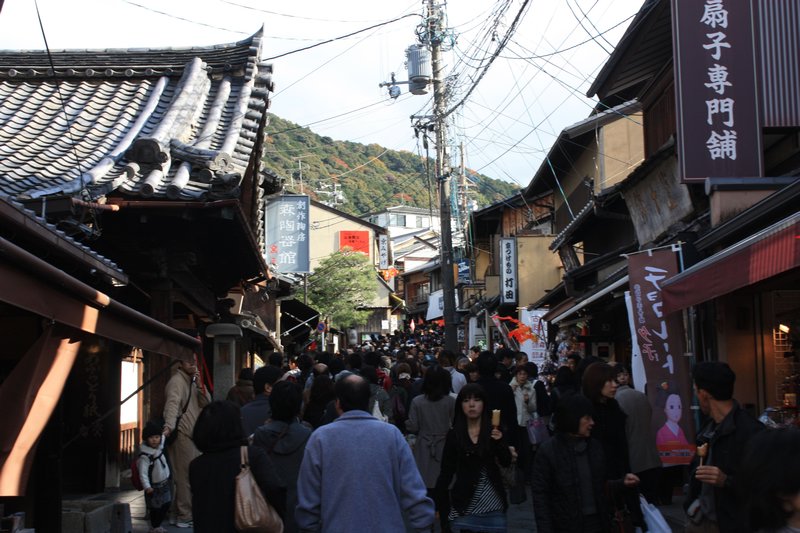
pixel 287 233
pixel 659 339
pixel 716 91
pixel 383 251
pixel 508 271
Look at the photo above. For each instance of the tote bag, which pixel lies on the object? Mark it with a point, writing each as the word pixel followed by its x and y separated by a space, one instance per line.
pixel 253 514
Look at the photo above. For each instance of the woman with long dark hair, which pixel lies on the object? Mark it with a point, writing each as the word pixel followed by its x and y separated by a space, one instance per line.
pixel 600 386
pixel 219 435
pixel 473 450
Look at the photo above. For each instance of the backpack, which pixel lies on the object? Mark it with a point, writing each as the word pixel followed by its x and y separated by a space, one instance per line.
pixel 136 478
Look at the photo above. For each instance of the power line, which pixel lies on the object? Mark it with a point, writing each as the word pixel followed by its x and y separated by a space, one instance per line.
pixel 500 47
pixel 341 37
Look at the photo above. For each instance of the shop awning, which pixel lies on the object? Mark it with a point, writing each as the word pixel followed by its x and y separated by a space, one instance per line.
pixel 763 255
pixel 298 320
pixel 589 298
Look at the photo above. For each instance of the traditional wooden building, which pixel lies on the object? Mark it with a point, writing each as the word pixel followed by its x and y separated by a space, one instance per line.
pixel 135 178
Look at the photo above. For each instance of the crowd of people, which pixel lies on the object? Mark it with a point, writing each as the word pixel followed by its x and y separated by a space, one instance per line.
pixel 406 433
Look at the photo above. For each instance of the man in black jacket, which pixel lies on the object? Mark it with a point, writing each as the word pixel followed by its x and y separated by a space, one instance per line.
pixel 714 503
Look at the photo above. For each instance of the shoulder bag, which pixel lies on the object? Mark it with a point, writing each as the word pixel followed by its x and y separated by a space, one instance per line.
pixel 252 512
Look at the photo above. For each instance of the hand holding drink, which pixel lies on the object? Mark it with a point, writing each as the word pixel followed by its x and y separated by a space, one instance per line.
pixel 702 452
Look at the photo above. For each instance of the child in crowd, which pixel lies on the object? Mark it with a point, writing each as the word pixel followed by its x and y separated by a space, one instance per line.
pixel 154 473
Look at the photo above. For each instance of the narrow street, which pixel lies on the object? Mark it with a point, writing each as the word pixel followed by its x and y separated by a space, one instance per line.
pixel 520 517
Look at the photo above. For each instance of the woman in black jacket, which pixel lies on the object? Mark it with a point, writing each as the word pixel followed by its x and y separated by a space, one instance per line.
pixel 472 451
pixel 218 433
pixel 570 486
pixel 600 386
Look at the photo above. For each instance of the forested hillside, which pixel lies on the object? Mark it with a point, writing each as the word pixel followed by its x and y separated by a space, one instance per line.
pixel 369 177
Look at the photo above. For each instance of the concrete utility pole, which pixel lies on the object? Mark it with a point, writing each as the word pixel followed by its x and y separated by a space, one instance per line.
pixel 435 34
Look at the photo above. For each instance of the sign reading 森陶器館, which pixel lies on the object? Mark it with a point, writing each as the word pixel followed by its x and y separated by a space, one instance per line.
pixel 659 339
pixel 719 127
pixel 508 271
pixel 286 231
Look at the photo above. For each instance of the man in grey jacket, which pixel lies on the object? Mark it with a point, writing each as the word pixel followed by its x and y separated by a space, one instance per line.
pixel 364 469
pixel 642 451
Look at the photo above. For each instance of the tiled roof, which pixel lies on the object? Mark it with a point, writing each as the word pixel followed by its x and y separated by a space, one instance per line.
pixel 175 123
pixel 26 223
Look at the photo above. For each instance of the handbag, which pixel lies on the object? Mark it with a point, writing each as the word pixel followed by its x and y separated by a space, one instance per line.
pixel 621 521
pixel 537 429
pixel 514 481
pixel 252 512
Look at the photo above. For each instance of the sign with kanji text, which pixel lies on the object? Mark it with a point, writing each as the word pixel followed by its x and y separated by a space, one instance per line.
pixel 508 271
pixel 716 89
pixel 383 251
pixel 286 231
pixel 357 241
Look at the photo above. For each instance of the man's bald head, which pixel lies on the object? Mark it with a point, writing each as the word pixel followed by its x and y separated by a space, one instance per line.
pixel 352 393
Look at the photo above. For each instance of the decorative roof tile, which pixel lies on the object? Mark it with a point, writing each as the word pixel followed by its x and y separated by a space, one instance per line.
pixel 175 123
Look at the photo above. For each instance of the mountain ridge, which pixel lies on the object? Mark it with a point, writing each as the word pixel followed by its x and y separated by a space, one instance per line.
pixel 368 177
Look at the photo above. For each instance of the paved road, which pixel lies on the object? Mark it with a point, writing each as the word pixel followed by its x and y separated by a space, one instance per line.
pixel 520 517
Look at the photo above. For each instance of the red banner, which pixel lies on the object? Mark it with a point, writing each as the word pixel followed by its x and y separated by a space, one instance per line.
pixel 357 241
pixel 660 340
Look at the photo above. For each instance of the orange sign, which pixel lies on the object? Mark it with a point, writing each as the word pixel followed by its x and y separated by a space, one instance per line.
pixel 357 241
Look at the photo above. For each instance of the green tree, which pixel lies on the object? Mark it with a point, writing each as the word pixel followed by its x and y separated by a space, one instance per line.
pixel 342 284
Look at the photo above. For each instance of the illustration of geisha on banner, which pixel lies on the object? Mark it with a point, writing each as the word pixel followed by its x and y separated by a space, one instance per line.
pixel 660 342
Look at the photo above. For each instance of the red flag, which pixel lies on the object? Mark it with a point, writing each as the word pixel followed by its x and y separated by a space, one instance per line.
pixel 411 326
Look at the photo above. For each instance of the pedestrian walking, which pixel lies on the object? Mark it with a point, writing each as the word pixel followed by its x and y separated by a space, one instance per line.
pixel 243 391
pixel 284 439
pixel 499 395
pixel 470 484
pixel 154 475
pixel 600 387
pixel 358 473
pixel 186 397
pixel 430 419
pixel 570 484
pixel 642 451
pixel 713 503
pixel 257 412
pixel 219 436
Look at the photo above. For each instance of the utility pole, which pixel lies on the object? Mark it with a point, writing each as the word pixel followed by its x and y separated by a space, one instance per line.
pixel 435 34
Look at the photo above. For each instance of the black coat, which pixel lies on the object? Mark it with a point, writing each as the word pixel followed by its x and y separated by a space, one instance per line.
pixel 609 429
pixel 465 465
pixel 556 487
pixel 212 476
pixel 499 395
pixel 726 450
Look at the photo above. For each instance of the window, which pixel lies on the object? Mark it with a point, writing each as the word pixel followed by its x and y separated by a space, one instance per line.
pixel 397 220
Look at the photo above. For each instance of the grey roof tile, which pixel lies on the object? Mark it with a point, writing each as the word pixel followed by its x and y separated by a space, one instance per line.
pixel 112 104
